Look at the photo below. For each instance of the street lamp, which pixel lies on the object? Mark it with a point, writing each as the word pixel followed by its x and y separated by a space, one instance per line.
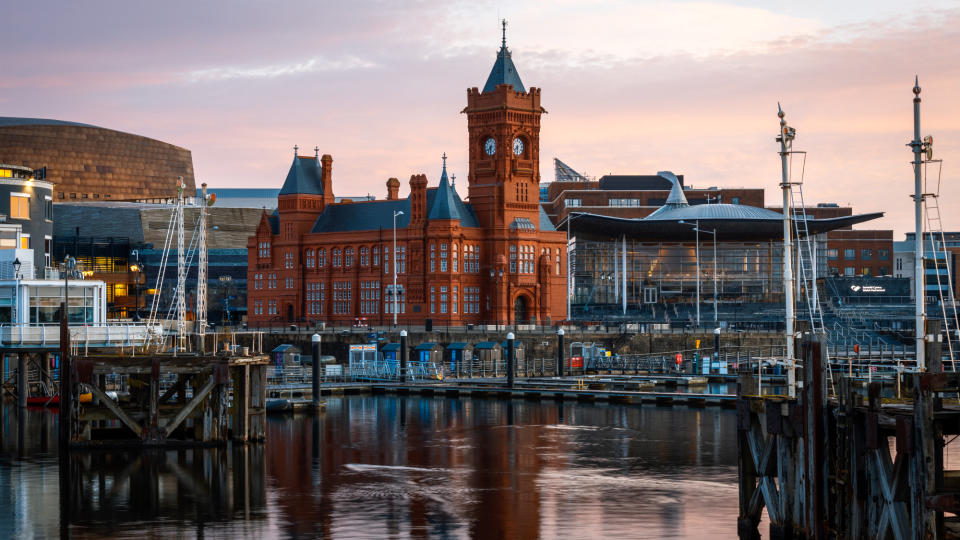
pixel 396 261
pixel 16 291
pixel 696 227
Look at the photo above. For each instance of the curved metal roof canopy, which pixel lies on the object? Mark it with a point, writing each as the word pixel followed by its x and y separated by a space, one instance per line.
pixel 731 222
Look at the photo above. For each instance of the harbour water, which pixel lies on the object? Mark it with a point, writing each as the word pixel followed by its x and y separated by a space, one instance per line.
pixel 396 467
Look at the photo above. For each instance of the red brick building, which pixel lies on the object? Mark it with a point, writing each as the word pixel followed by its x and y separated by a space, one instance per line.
pixel 496 259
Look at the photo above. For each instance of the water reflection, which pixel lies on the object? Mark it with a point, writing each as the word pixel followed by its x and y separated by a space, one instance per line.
pixel 387 466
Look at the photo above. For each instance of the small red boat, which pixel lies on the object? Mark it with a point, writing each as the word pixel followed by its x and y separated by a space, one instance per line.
pixel 54 400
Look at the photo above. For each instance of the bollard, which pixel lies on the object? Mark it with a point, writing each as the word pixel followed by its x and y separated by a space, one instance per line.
pixel 23 388
pixel 510 360
pixel 315 342
pixel 559 370
pixel 403 356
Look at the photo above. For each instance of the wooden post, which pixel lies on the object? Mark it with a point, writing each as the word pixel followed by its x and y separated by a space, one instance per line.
pixel 66 395
pixel 926 461
pixel 934 345
pixel 747 472
pixel 23 382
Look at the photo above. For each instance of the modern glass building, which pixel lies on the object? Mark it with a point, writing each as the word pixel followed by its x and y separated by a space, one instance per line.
pixel 650 269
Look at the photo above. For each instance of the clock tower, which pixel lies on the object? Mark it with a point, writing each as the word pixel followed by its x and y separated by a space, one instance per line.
pixel 503 122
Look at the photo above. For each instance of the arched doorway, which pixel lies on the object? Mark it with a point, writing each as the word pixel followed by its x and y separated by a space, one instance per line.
pixel 520 310
pixel 290 312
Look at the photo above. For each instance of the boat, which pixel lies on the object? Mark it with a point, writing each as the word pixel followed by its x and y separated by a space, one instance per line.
pixel 54 400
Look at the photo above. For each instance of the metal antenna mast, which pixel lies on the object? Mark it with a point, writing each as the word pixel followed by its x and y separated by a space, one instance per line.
pixel 201 321
pixel 785 138
pixel 917 147
pixel 181 273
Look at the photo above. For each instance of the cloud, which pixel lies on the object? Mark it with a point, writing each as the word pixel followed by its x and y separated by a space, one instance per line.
pixel 313 65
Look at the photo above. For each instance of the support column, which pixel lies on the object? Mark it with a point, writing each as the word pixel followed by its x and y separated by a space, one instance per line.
pixel 23 382
pixel 510 360
pixel 933 348
pixel 403 356
pixel 560 353
pixel 315 351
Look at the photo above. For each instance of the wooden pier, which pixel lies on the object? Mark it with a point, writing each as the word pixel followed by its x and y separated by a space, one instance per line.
pixel 207 400
pixel 848 465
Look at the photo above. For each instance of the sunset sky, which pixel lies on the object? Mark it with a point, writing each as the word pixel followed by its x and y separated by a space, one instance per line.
pixel 630 87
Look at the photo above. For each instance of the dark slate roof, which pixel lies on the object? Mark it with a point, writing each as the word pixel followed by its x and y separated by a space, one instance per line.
pixel 640 182
pixel 16 121
pixel 304 177
pixel 274 220
pixel 373 215
pixel 504 72
pixel 446 202
pixel 545 223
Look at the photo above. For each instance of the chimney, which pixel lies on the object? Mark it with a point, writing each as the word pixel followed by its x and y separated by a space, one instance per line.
pixel 418 199
pixel 326 177
pixel 393 189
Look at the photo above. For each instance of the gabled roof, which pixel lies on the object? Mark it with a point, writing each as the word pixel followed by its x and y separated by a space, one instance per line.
pixel 504 72
pixel 426 346
pixel 304 177
pixel 486 345
pixel 457 345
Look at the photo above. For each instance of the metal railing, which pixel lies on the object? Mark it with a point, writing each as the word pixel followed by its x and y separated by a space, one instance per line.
pixel 109 334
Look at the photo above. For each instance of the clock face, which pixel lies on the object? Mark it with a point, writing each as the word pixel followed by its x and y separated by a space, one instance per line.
pixel 490 146
pixel 517 146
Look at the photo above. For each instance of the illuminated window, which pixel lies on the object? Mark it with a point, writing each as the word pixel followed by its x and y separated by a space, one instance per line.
pixel 6 173
pixel 120 289
pixel 19 206
pixel 25 241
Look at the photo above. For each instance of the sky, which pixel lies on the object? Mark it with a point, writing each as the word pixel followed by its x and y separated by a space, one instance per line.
pixel 630 87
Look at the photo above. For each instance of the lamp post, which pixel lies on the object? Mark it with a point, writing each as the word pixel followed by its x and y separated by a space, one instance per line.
pixel 137 270
pixel 696 227
pixel 396 261
pixel 16 291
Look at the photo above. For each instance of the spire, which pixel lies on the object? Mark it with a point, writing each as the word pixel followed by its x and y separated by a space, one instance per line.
pixel 295 148
pixel 446 202
pixel 676 199
pixel 504 72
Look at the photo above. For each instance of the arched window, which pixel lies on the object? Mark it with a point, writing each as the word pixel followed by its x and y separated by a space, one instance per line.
pixel 321 257
pixel 309 258
pixel 348 257
pixel 335 255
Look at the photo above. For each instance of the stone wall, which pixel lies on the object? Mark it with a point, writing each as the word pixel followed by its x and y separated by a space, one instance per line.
pixel 91 163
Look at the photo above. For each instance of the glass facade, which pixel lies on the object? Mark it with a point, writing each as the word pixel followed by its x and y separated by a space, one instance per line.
pixel 662 276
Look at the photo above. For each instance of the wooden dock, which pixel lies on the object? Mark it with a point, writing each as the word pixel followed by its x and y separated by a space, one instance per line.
pixel 210 400
pixel 848 465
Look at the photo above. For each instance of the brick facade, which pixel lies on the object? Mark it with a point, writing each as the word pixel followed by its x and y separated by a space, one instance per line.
pixel 495 260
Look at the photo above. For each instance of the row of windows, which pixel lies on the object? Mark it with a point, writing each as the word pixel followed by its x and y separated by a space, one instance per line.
pixel 271 281
pixel 263 250
pixel 258 307
pixel 315 296
pixel 521 259
pixel 20 207
pixel 850 271
pixel 850 254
